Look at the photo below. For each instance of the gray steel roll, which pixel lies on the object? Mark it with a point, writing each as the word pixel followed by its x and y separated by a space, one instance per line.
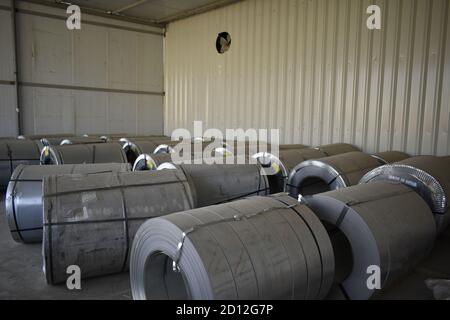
pixel 429 176
pixel 146 162
pixel 90 220
pixel 388 157
pixel 337 148
pixel 258 248
pixel 246 149
pixel 83 153
pixel 135 149
pixel 292 146
pixel 16 152
pixel 81 140
pixel 196 148
pixel 279 168
pixel 24 195
pixel 53 141
pixel 335 172
pixel 60 136
pixel 386 225
pixel 215 184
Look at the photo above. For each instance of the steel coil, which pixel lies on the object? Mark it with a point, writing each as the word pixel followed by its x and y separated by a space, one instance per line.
pixel 335 172
pixel 81 140
pixel 60 136
pixel 83 153
pixel 292 146
pixel 388 157
pixel 147 162
pixel 337 148
pixel 279 168
pixel 429 176
pixel 16 152
pixel 258 248
pixel 215 184
pixel 197 148
pixel 24 195
pixel 387 227
pixel 90 220
pixel 137 148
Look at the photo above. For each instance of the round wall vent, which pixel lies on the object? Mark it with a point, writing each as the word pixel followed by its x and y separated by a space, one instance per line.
pixel 223 42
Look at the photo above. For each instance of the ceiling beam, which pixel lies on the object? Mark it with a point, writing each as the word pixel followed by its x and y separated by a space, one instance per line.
pixel 96 12
pixel 130 6
pixel 192 12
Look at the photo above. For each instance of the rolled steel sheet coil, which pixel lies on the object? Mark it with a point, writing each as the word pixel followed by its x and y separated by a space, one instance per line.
pixel 90 220
pixel 135 149
pixel 338 148
pixel 257 248
pixel 429 176
pixel 196 147
pixel 81 140
pixel 386 225
pixel 147 162
pixel 55 141
pixel 335 172
pixel 24 195
pixel 14 153
pixel 388 157
pixel 249 148
pixel 292 146
pixel 83 153
pixel 216 184
pixel 61 136
pixel 279 168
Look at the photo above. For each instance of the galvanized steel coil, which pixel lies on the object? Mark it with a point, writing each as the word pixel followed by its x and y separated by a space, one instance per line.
pixel 24 195
pixel 215 184
pixel 388 157
pixel 429 176
pixel 279 168
pixel 387 228
pixel 335 172
pixel 16 152
pixel 256 248
pixel 147 162
pixel 337 148
pixel 82 140
pixel 137 148
pixel 90 220
pixel 83 153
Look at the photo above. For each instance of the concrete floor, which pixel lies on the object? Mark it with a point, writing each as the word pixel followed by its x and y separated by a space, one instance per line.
pixel 21 274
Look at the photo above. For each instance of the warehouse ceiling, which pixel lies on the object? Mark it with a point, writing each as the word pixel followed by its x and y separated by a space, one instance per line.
pixel 150 11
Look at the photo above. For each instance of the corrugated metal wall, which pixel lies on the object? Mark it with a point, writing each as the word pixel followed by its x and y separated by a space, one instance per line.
pixel 313 69
pixel 8 114
pixel 100 79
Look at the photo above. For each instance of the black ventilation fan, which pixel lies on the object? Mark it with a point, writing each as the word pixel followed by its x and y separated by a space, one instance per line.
pixel 223 42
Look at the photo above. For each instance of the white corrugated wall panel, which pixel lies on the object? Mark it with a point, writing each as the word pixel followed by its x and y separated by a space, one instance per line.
pixel 314 70
pixel 98 57
pixel 8 114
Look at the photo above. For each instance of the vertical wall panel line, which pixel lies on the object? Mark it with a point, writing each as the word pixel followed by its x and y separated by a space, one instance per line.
pixel 440 74
pixel 424 70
